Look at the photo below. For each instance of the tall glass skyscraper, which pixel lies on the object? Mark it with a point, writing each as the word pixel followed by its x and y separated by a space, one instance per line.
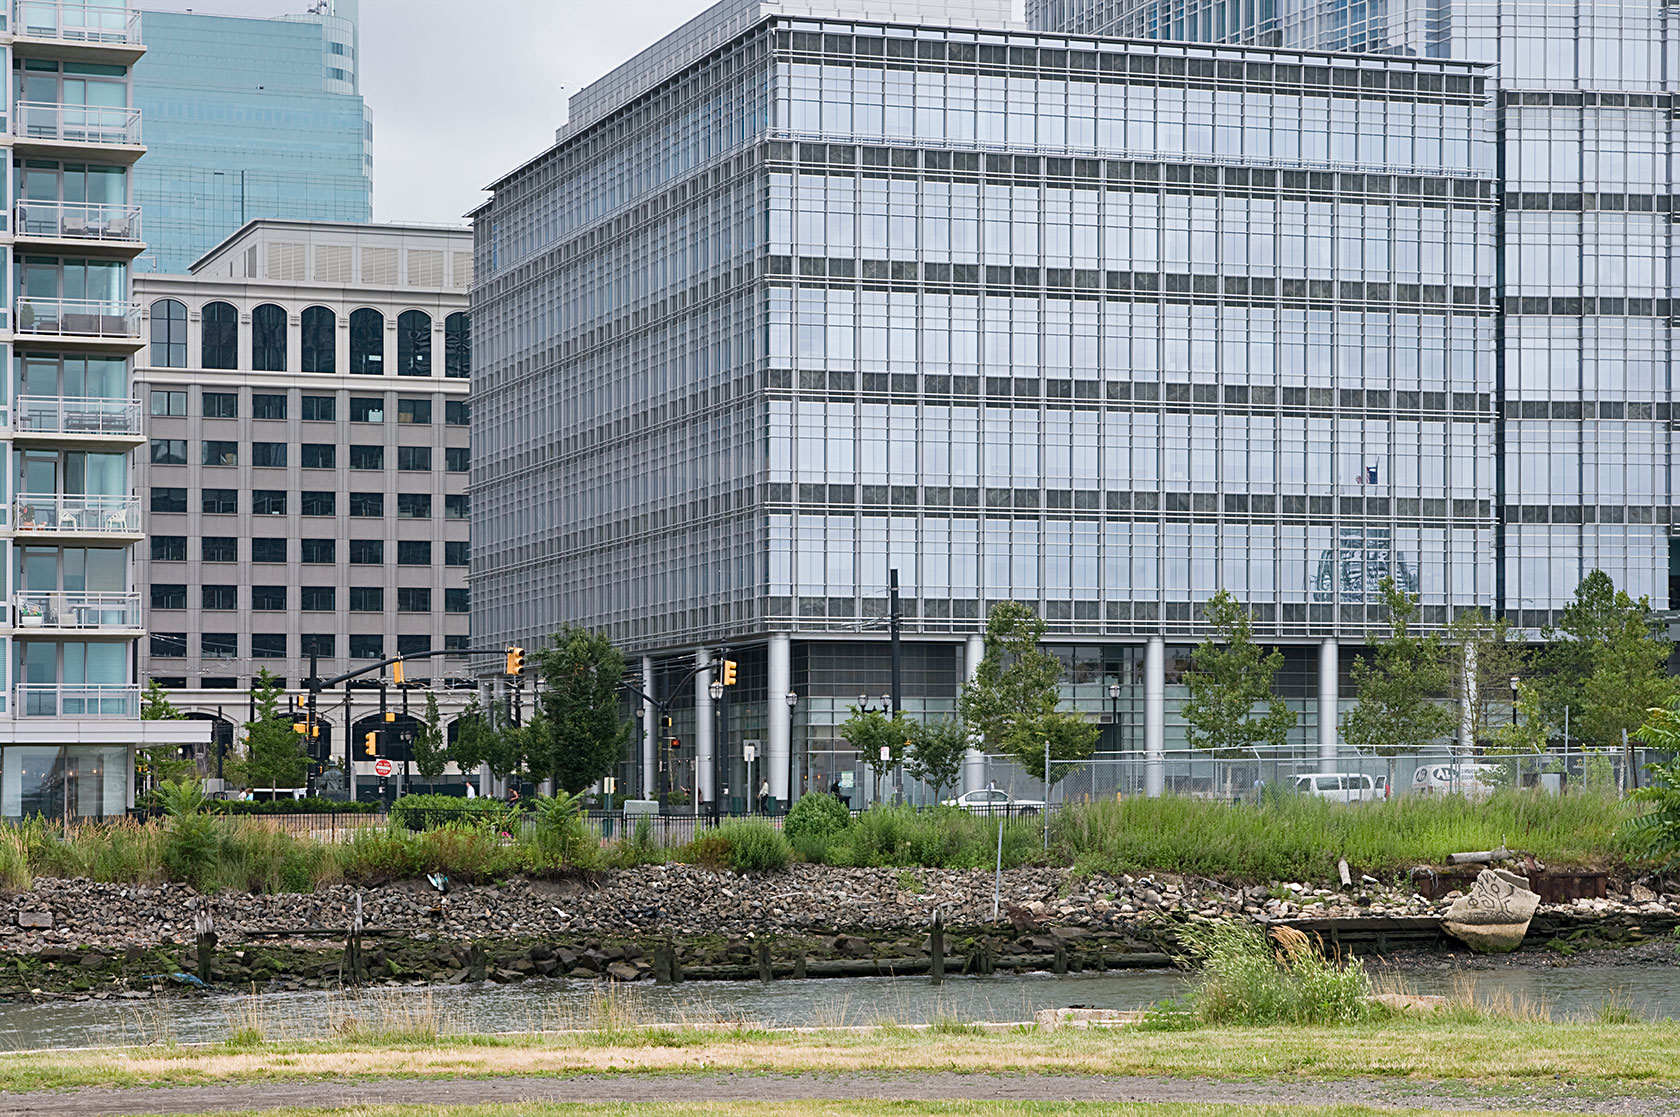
pixel 248 119
pixel 1585 240
pixel 1104 326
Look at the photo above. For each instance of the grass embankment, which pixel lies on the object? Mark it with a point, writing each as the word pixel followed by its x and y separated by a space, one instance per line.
pixel 867 1107
pixel 1283 838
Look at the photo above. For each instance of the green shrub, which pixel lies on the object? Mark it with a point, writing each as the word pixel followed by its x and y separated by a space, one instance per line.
pixel 309 805
pixel 818 815
pixel 427 812
pixel 14 860
pixel 937 838
pixel 813 849
pixel 375 855
pixel 755 846
pixel 192 840
pixel 1246 978
pixel 709 849
pixel 560 835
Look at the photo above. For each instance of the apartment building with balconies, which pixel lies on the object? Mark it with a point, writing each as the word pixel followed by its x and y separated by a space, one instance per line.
pixel 70 721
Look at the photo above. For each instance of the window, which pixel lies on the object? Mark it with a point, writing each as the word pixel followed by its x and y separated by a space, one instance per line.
pixel 455 506
pixel 319 550
pixel 367 504
pixel 220 405
pixel 457 346
pixel 219 597
pixel 409 458
pixel 417 411
pixel 367 599
pixel 367 457
pixel 268 549
pixel 367 409
pixel 414 343
pixel 414 506
pixel 169 403
pixel 269 455
pixel 369 646
pixel 414 552
pixel 220 452
pixel 367 342
pixel 169 451
pixel 220 548
pixel 169 334
pixel 319 503
pixel 455 552
pixel 319 643
pixel 168 595
pixel 268 502
pixel 319 455
pixel 169 548
pixel 320 341
pixel 220 334
pixel 268 598
pixel 456 601
pixel 456 458
pixel 458 643
pixel 169 645
pixel 367 552
pixel 413 645
pixel 414 599
pixel 222 682
pixel 457 413
pixel 268 338
pixel 318 599
pixel 268 645
pixel 320 409
pixel 268 405
pixel 220 502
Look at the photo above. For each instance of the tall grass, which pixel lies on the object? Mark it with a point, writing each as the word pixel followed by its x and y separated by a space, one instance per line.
pixel 1249 977
pixel 940 838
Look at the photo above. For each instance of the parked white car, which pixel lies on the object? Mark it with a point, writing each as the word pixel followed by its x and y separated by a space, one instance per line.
pixel 988 800
pixel 1343 787
pixel 1476 781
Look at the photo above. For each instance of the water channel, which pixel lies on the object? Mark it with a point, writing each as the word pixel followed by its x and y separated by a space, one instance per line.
pixel 1650 991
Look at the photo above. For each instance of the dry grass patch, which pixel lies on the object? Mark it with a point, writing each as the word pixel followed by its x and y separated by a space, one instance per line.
pixel 808 1107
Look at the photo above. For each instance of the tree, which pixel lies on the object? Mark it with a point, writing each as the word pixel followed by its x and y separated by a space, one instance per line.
pixel 1485 657
pixel 1011 701
pixel 586 730
pixel 1229 676
pixel 430 748
pixel 163 762
pixel 1529 730
pixel 1605 662
pixel 479 743
pixel 273 751
pixel 869 731
pixel 157 706
pixel 1397 711
pixel 937 750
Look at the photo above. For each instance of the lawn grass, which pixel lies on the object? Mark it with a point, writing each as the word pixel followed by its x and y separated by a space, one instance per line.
pixel 811 1107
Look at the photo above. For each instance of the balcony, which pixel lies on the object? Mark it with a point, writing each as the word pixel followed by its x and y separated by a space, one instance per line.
pixel 82 613
pixel 90 319
pixel 93 128
pixel 52 419
pixel 86 225
pixel 106 702
pixel 76 21
pixel 60 514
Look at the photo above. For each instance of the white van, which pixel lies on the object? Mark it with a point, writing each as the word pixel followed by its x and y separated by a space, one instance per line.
pixel 1474 780
pixel 1343 787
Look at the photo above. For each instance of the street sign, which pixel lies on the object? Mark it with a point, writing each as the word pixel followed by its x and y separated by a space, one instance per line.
pixel 750 752
pixel 886 753
pixel 382 767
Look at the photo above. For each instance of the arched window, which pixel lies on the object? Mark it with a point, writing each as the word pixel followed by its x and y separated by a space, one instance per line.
pixel 320 343
pixel 221 336
pixel 367 342
pixel 169 334
pixel 268 338
pixel 457 346
pixel 414 343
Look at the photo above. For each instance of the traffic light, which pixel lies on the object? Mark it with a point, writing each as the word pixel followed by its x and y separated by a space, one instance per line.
pixel 676 743
pixel 390 715
pixel 370 743
pixel 397 672
pixel 300 728
pixel 515 660
pixel 666 721
pixel 729 666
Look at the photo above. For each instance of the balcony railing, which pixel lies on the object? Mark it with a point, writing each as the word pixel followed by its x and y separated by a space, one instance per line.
pixel 81 515
pixel 73 415
pixel 80 611
pixel 78 22
pixel 78 317
pixel 78 221
pixel 82 124
pixel 113 702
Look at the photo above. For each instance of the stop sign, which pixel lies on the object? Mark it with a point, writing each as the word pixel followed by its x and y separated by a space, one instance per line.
pixel 382 766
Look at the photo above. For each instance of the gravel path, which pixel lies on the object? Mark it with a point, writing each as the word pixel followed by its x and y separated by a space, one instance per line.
pixel 725 1088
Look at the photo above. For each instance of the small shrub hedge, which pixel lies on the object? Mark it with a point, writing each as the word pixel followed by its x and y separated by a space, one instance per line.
pixel 312 804
pixel 818 816
pixel 428 812
pixel 745 845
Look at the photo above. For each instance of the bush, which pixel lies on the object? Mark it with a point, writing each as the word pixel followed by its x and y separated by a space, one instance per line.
pixel 1244 980
pixel 192 840
pixel 938 838
pixel 428 812
pixel 309 805
pixel 755 846
pixel 817 815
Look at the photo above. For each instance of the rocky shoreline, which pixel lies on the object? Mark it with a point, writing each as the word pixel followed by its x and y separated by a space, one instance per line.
pixel 83 939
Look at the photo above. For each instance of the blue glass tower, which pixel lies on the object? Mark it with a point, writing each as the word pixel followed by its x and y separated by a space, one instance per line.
pixel 248 119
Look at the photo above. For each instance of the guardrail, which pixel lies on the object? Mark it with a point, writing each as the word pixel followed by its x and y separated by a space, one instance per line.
pixel 83 515
pixel 77 415
pixel 94 701
pixel 70 21
pixel 78 317
pixel 78 221
pixel 80 611
pixel 82 124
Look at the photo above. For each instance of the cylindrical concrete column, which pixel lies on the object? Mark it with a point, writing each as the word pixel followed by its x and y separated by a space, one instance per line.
pixel 705 723
pixel 1155 718
pixel 1329 702
pixel 974 761
pixel 1467 711
pixel 651 730
pixel 779 749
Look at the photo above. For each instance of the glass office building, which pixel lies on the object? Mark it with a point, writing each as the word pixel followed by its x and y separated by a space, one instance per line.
pixel 249 119
pixel 1585 119
pixel 1102 326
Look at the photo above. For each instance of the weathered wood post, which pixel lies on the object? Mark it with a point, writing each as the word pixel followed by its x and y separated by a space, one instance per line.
pixel 936 950
pixel 353 970
pixel 662 963
pixel 764 973
pixel 204 930
pixel 1058 963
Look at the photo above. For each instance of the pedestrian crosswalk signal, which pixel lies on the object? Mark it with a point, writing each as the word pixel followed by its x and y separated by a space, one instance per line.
pixel 370 743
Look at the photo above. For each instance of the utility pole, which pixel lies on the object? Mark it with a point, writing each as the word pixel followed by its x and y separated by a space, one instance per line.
pixel 894 623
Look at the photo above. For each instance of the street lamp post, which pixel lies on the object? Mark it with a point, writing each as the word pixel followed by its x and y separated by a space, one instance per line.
pixel 886 707
pixel 792 700
pixel 718 692
pixel 1114 712
pixel 1515 695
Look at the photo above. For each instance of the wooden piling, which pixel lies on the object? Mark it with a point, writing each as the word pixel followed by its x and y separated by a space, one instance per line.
pixel 764 971
pixel 1060 964
pixel 204 928
pixel 662 963
pixel 936 950
pixel 799 966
